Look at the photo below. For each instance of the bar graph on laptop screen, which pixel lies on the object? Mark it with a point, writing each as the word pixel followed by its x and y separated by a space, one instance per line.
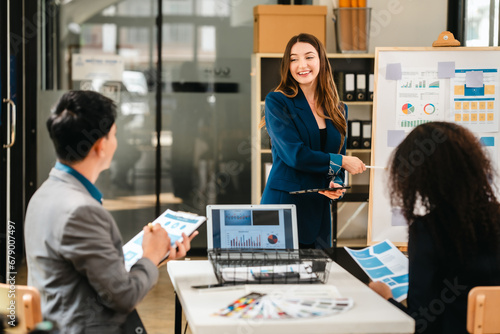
pixel 252 228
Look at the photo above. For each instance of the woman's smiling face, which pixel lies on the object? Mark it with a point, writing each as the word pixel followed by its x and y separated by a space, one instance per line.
pixel 304 63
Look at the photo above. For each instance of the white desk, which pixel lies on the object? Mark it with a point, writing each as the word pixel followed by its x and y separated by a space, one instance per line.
pixel 370 314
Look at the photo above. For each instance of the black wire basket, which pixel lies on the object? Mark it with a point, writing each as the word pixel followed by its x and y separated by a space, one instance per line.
pixel 241 266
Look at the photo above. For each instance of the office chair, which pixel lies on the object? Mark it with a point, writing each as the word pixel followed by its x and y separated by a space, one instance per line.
pixel 28 311
pixel 482 310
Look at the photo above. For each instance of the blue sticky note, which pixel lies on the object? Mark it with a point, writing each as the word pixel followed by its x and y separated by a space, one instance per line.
pixel 393 71
pixel 474 79
pixel 487 141
pixel 446 69
pixel 395 137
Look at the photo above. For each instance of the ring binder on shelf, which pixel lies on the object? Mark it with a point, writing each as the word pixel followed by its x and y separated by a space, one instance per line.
pixel 370 86
pixel 366 134
pixel 361 87
pixel 350 87
pixel 354 135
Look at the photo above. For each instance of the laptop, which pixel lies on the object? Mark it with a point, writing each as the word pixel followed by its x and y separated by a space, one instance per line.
pixel 250 244
pixel 252 228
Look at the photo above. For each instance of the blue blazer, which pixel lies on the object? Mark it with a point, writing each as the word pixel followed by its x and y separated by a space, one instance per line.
pixel 299 163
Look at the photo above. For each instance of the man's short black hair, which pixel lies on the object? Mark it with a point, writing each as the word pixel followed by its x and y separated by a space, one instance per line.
pixel 79 119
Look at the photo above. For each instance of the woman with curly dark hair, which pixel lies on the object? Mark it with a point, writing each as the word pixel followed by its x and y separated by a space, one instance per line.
pixel 442 181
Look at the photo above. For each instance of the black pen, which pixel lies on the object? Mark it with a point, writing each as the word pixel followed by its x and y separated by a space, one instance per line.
pixel 207 286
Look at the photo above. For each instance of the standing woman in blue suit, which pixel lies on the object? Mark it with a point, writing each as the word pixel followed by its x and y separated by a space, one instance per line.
pixel 307 124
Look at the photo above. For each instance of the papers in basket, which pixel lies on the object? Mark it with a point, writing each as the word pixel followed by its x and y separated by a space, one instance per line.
pixel 302 271
pixel 384 262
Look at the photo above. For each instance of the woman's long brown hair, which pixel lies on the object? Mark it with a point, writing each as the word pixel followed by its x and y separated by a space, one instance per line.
pixel 326 94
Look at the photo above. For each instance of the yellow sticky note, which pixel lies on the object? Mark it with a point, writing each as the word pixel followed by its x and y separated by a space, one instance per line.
pixel 458 117
pixel 466 117
pixel 489 89
pixel 491 105
pixel 458 105
pixel 490 116
pixel 473 105
pixel 482 117
pixel 466 105
pixel 473 117
pixel 482 105
pixel 460 90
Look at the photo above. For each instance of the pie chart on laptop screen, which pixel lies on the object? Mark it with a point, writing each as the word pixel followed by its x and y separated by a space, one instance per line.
pixel 272 239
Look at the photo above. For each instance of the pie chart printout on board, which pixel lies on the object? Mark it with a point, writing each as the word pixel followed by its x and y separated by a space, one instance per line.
pixel 408 108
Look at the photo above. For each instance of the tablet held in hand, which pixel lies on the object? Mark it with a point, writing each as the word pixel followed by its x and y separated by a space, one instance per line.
pixel 316 190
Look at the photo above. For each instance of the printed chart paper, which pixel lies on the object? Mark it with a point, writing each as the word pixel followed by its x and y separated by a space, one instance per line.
pixel 474 102
pixel 420 98
pixel 384 262
pixel 175 223
pixel 256 305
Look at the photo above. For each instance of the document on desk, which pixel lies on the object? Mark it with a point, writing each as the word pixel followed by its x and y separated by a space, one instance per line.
pixel 175 223
pixel 384 262
pixel 256 305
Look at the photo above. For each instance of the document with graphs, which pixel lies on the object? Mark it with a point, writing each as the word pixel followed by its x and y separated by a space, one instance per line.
pixel 384 262
pixel 175 223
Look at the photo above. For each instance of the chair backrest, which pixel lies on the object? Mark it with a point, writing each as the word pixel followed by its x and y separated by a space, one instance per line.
pixel 483 310
pixel 21 305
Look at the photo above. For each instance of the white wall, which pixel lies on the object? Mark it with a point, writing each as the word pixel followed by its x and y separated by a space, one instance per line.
pixel 397 22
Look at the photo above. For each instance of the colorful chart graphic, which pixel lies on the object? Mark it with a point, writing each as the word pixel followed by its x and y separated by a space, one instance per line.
pixel 245 241
pixel 434 84
pixel 272 239
pixel 408 108
pixel 412 124
pixel 429 109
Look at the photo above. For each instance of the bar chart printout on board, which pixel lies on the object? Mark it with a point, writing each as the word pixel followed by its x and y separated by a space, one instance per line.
pixel 474 102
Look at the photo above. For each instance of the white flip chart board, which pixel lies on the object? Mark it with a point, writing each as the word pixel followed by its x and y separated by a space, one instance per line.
pixel 418 85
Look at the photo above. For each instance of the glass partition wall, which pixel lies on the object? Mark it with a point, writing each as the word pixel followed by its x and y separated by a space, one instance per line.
pixel 184 140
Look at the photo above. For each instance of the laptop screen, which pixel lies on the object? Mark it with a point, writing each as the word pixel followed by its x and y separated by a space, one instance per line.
pixel 252 226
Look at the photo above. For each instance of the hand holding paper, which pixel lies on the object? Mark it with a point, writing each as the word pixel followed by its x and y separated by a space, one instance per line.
pixel 173 228
pixel 385 263
pixel 155 243
pixel 382 289
pixel 181 249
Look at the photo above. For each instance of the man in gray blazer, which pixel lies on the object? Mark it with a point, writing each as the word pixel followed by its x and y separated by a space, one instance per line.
pixel 73 245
